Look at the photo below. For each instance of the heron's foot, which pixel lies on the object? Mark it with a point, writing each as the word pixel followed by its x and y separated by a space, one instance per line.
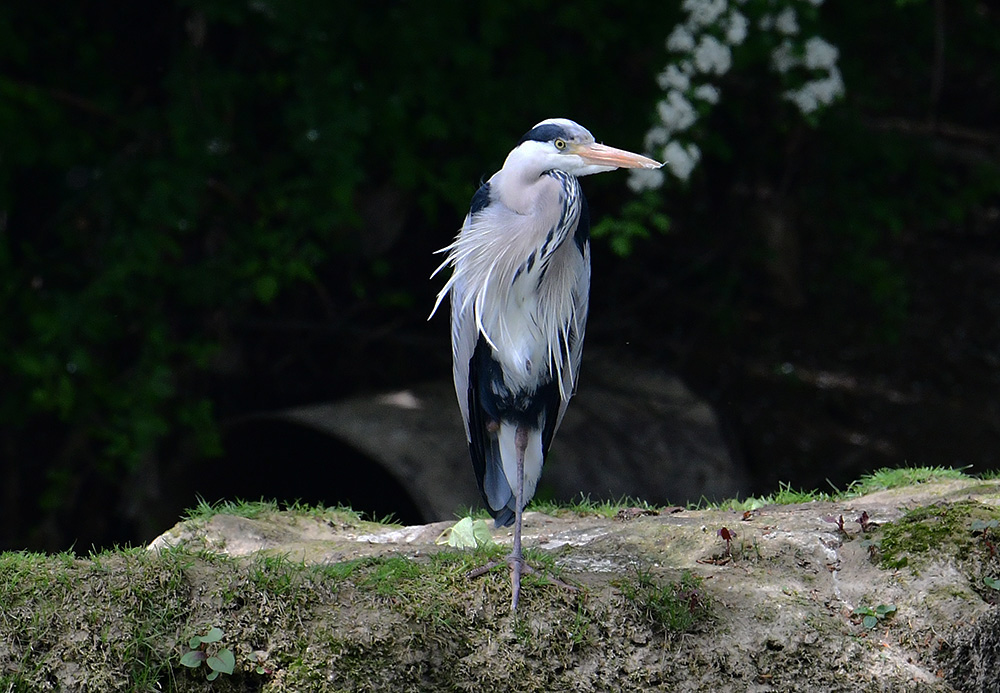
pixel 518 566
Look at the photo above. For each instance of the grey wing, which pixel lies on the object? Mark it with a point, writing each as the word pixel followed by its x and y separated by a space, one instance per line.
pixel 581 304
pixel 463 344
pixel 464 332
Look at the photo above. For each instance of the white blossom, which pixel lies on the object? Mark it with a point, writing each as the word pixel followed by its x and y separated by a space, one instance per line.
pixel 820 54
pixel 703 45
pixel 680 40
pixel 711 56
pixel 819 92
pixel 736 28
pixel 707 93
pixel 676 112
pixel 656 137
pixel 702 13
pixel 803 98
pixel 681 159
pixel 673 78
pixel 783 57
pixel 641 179
pixel 786 22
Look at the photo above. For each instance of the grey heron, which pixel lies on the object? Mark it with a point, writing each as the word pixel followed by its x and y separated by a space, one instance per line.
pixel 519 288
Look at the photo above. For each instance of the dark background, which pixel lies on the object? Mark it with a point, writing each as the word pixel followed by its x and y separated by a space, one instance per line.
pixel 213 209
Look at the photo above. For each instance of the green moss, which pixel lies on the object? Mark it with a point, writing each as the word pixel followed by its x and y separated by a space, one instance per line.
pixel 935 531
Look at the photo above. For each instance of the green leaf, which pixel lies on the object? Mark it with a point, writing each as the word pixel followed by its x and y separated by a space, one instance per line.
pixel 870 622
pixel 991 582
pixel 194 642
pixel 193 659
pixel 214 635
pixel 212 675
pixel 461 535
pixel 223 662
pixel 481 532
pixel 467 534
pixel 885 609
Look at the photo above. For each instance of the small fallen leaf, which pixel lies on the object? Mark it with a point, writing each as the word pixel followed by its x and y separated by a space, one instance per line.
pixel 459 535
pixel 466 534
pixel 481 532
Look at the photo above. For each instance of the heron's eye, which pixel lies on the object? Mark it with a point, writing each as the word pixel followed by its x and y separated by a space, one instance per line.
pixel 560 144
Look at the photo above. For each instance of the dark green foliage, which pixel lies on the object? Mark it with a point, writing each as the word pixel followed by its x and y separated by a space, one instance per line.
pixel 171 173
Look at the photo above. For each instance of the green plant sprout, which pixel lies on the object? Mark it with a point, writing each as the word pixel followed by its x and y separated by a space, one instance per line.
pixel 871 617
pixel 222 662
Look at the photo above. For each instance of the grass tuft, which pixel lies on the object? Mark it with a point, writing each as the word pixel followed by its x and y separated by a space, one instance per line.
pixel 584 505
pixel 673 607
pixel 879 480
pixel 785 495
pixel 887 478
pixel 255 509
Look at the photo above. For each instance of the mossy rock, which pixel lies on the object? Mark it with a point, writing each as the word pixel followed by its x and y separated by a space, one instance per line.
pixel 314 600
pixel 966 531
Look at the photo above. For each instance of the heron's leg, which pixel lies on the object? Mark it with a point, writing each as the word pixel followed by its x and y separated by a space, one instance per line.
pixel 516 558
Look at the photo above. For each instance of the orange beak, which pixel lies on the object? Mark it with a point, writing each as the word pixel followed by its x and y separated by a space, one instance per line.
pixel 603 155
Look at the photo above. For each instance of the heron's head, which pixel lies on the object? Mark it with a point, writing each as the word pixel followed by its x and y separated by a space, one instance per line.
pixel 559 144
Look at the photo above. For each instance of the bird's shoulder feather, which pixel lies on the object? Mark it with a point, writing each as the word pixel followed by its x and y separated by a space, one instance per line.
pixel 480 199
